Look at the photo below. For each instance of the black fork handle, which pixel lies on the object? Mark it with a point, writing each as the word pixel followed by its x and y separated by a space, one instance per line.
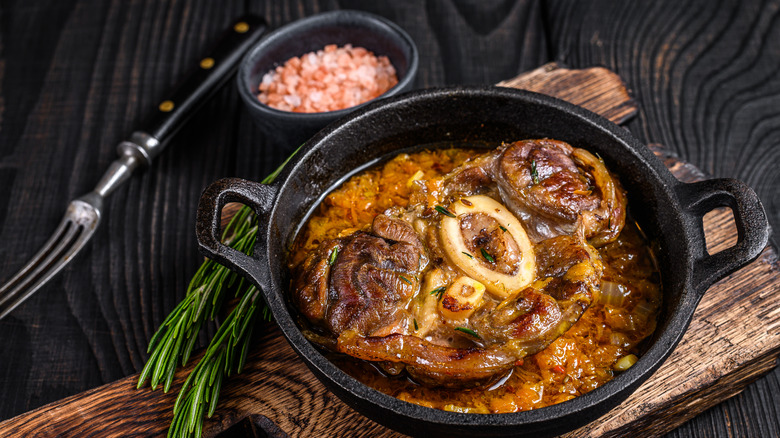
pixel 214 69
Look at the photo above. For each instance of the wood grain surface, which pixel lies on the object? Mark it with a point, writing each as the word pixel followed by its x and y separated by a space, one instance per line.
pixel 276 388
pixel 714 360
pixel 76 76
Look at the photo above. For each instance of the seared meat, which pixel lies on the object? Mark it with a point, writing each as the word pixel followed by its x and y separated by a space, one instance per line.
pixel 473 178
pixel 490 295
pixel 430 363
pixel 505 330
pixel 568 275
pixel 551 185
pixel 311 286
pixel 362 282
pixel 394 229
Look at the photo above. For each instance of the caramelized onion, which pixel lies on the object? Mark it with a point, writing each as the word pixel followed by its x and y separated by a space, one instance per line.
pixel 625 362
pixel 425 310
pixel 613 293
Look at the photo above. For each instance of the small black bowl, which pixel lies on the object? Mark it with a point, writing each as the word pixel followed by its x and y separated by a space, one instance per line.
pixel 382 37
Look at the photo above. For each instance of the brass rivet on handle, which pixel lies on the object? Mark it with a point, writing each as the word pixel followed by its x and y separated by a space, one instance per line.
pixel 166 106
pixel 241 27
pixel 206 63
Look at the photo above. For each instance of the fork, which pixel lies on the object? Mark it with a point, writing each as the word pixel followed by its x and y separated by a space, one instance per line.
pixel 83 214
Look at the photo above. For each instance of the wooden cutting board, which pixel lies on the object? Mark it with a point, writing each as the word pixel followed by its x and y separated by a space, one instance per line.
pixel 734 338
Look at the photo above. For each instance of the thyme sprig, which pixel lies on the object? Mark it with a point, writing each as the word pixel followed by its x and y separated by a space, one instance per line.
pixel 172 344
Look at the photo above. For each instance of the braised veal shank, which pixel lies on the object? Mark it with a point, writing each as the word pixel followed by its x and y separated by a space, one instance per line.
pixel 484 266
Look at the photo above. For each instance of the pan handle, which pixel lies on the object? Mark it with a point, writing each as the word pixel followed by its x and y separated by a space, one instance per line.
pixel 753 228
pixel 260 198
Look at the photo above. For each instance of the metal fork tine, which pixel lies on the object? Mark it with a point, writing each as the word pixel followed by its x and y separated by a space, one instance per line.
pixel 68 238
pixel 39 265
pixel 46 249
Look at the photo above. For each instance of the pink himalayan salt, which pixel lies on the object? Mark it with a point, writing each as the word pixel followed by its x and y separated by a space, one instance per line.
pixel 327 80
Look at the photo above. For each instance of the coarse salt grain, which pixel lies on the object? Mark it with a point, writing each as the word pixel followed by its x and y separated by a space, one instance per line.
pixel 330 79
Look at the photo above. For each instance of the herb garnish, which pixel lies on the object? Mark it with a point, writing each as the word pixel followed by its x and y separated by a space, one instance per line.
pixel 439 292
pixel 172 344
pixel 534 173
pixel 468 331
pixel 444 211
pixel 415 325
pixel 502 228
pixel 467 254
pixel 487 256
pixel 406 280
pixel 333 254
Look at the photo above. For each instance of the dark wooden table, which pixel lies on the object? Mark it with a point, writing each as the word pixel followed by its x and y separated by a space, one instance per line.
pixel 76 76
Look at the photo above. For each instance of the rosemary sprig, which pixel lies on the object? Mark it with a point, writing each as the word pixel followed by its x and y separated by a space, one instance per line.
pixel 225 355
pixel 173 342
pixel 175 339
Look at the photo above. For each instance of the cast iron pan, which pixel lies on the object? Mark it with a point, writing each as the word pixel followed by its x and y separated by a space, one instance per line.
pixel 669 211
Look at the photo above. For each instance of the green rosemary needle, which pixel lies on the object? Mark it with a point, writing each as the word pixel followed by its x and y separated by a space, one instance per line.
pixel 439 292
pixel 333 254
pixel 468 331
pixel 444 211
pixel 534 172
pixel 172 344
